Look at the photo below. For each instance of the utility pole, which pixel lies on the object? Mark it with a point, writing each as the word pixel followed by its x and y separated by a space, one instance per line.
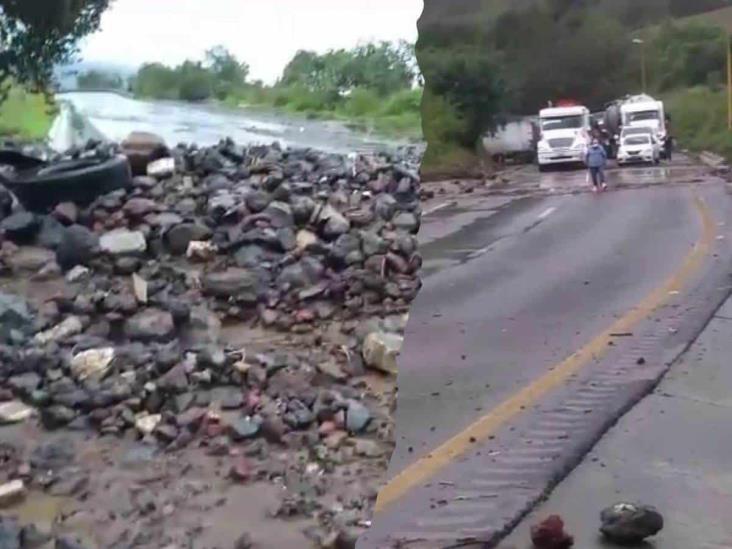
pixel 729 82
pixel 641 43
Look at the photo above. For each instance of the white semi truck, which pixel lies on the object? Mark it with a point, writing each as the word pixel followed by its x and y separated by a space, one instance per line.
pixel 639 111
pixel 564 135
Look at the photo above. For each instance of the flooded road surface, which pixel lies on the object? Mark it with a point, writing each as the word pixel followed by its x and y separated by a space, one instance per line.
pixel 541 318
pixel 116 116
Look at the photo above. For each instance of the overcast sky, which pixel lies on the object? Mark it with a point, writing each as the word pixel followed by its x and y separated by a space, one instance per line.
pixel 264 33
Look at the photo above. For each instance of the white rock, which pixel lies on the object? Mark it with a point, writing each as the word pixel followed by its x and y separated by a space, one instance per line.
pixel 11 492
pixel 77 274
pixel 94 362
pixel 201 250
pixel 380 351
pixel 139 286
pixel 305 238
pixel 14 412
pixel 146 423
pixel 165 167
pixel 69 327
pixel 122 241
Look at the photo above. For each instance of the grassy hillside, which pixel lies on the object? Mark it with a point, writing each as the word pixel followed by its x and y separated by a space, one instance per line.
pixel 700 120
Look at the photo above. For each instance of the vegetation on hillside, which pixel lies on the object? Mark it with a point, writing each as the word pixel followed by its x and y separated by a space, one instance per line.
pixel 100 80
pixel 519 55
pixel 371 86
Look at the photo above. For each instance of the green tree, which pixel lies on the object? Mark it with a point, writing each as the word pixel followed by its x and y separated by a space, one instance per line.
pixel 195 82
pixel 94 79
pixel 157 81
pixel 687 55
pixel 37 35
pixel 230 75
pixel 468 80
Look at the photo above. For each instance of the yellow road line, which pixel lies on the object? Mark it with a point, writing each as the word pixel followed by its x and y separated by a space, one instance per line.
pixel 424 468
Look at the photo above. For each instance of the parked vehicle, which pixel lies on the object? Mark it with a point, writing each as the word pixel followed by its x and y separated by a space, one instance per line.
pixel 514 139
pixel 564 137
pixel 639 145
pixel 638 111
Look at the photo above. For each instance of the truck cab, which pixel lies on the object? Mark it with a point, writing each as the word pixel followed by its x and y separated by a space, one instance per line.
pixel 645 114
pixel 564 135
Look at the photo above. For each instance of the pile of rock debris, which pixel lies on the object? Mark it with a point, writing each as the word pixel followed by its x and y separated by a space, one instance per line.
pixel 116 317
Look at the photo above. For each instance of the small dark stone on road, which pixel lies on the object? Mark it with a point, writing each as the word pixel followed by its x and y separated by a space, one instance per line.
pixel 630 523
pixel 550 534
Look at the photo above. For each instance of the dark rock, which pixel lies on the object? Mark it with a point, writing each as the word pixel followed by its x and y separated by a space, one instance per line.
pixel 137 208
pixel 25 384
pixel 66 212
pixel 32 538
pixel 257 201
pixel 212 357
pixel 302 209
pixel 252 256
pixel 230 398
pixel 627 523
pixel 244 542
pixel 385 206
pixel 21 227
pixel 179 237
pixel 406 221
pixel 69 542
pixel 53 455
pixel 150 325
pixel 237 283
pixel 56 416
pixel 302 274
pixel 174 381
pixel 51 233
pixel 78 246
pixel 142 148
pixel 279 214
pixel 15 318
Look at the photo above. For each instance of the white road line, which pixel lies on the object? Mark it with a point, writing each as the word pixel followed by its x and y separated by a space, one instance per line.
pixel 546 213
pixel 437 208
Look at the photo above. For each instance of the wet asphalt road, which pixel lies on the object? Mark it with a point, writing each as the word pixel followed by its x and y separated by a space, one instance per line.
pixel 517 282
pixel 521 285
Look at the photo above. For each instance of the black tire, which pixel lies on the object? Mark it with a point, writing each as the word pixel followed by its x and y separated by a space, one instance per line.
pixel 79 181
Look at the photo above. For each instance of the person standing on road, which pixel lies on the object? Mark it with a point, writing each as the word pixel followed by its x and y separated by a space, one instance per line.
pixel 596 159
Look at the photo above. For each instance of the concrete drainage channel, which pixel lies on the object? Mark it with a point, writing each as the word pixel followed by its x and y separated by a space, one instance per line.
pixel 479 498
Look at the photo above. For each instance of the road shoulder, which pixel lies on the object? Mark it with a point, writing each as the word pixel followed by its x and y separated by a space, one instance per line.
pixel 670 451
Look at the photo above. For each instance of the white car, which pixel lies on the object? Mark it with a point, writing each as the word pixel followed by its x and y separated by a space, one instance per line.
pixel 638 147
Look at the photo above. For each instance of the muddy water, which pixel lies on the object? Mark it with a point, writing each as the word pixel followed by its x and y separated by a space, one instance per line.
pixel 205 125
